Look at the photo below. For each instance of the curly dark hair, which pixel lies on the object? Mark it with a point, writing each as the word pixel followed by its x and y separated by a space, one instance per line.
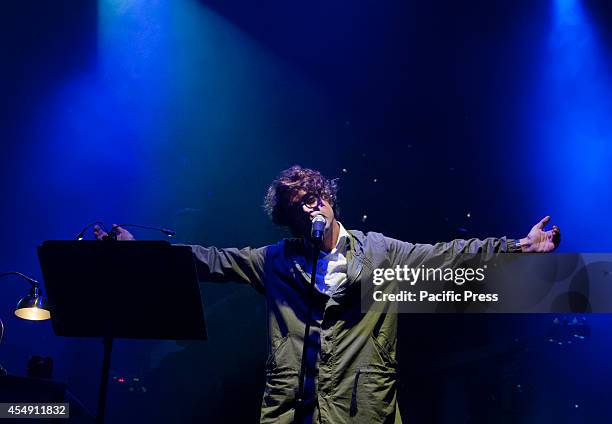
pixel 287 186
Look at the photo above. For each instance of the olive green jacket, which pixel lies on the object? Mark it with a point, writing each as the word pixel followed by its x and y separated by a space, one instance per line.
pixel 356 368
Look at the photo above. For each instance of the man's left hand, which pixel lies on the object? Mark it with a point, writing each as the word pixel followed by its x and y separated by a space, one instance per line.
pixel 120 233
pixel 541 241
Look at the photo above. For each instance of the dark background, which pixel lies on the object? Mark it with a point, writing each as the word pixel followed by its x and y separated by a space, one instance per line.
pixel 442 119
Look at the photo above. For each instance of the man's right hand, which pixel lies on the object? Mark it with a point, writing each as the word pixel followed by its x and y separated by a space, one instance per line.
pixel 122 234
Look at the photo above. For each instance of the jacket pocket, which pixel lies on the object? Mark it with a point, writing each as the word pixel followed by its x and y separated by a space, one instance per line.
pixel 278 403
pixel 271 362
pixel 373 398
pixel 281 385
pixel 385 355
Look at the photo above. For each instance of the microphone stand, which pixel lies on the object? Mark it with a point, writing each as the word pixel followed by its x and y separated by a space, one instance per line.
pixel 300 412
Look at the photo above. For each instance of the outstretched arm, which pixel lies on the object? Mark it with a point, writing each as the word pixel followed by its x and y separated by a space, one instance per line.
pixel 447 253
pixel 217 265
pixel 230 264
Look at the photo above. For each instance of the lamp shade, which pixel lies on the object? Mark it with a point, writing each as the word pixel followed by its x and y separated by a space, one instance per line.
pixel 33 306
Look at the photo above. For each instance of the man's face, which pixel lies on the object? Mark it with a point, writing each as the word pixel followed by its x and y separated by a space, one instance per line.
pixel 304 207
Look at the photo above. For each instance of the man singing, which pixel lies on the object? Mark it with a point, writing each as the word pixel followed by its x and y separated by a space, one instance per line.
pixel 351 366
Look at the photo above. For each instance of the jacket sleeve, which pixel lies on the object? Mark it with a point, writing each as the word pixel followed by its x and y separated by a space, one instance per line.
pixel 230 264
pixel 447 253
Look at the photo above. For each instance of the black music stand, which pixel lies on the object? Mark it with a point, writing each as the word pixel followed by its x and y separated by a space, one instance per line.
pixel 121 289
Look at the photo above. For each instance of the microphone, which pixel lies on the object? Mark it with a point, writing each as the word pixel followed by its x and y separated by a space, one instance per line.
pixel 169 233
pixel 317 229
